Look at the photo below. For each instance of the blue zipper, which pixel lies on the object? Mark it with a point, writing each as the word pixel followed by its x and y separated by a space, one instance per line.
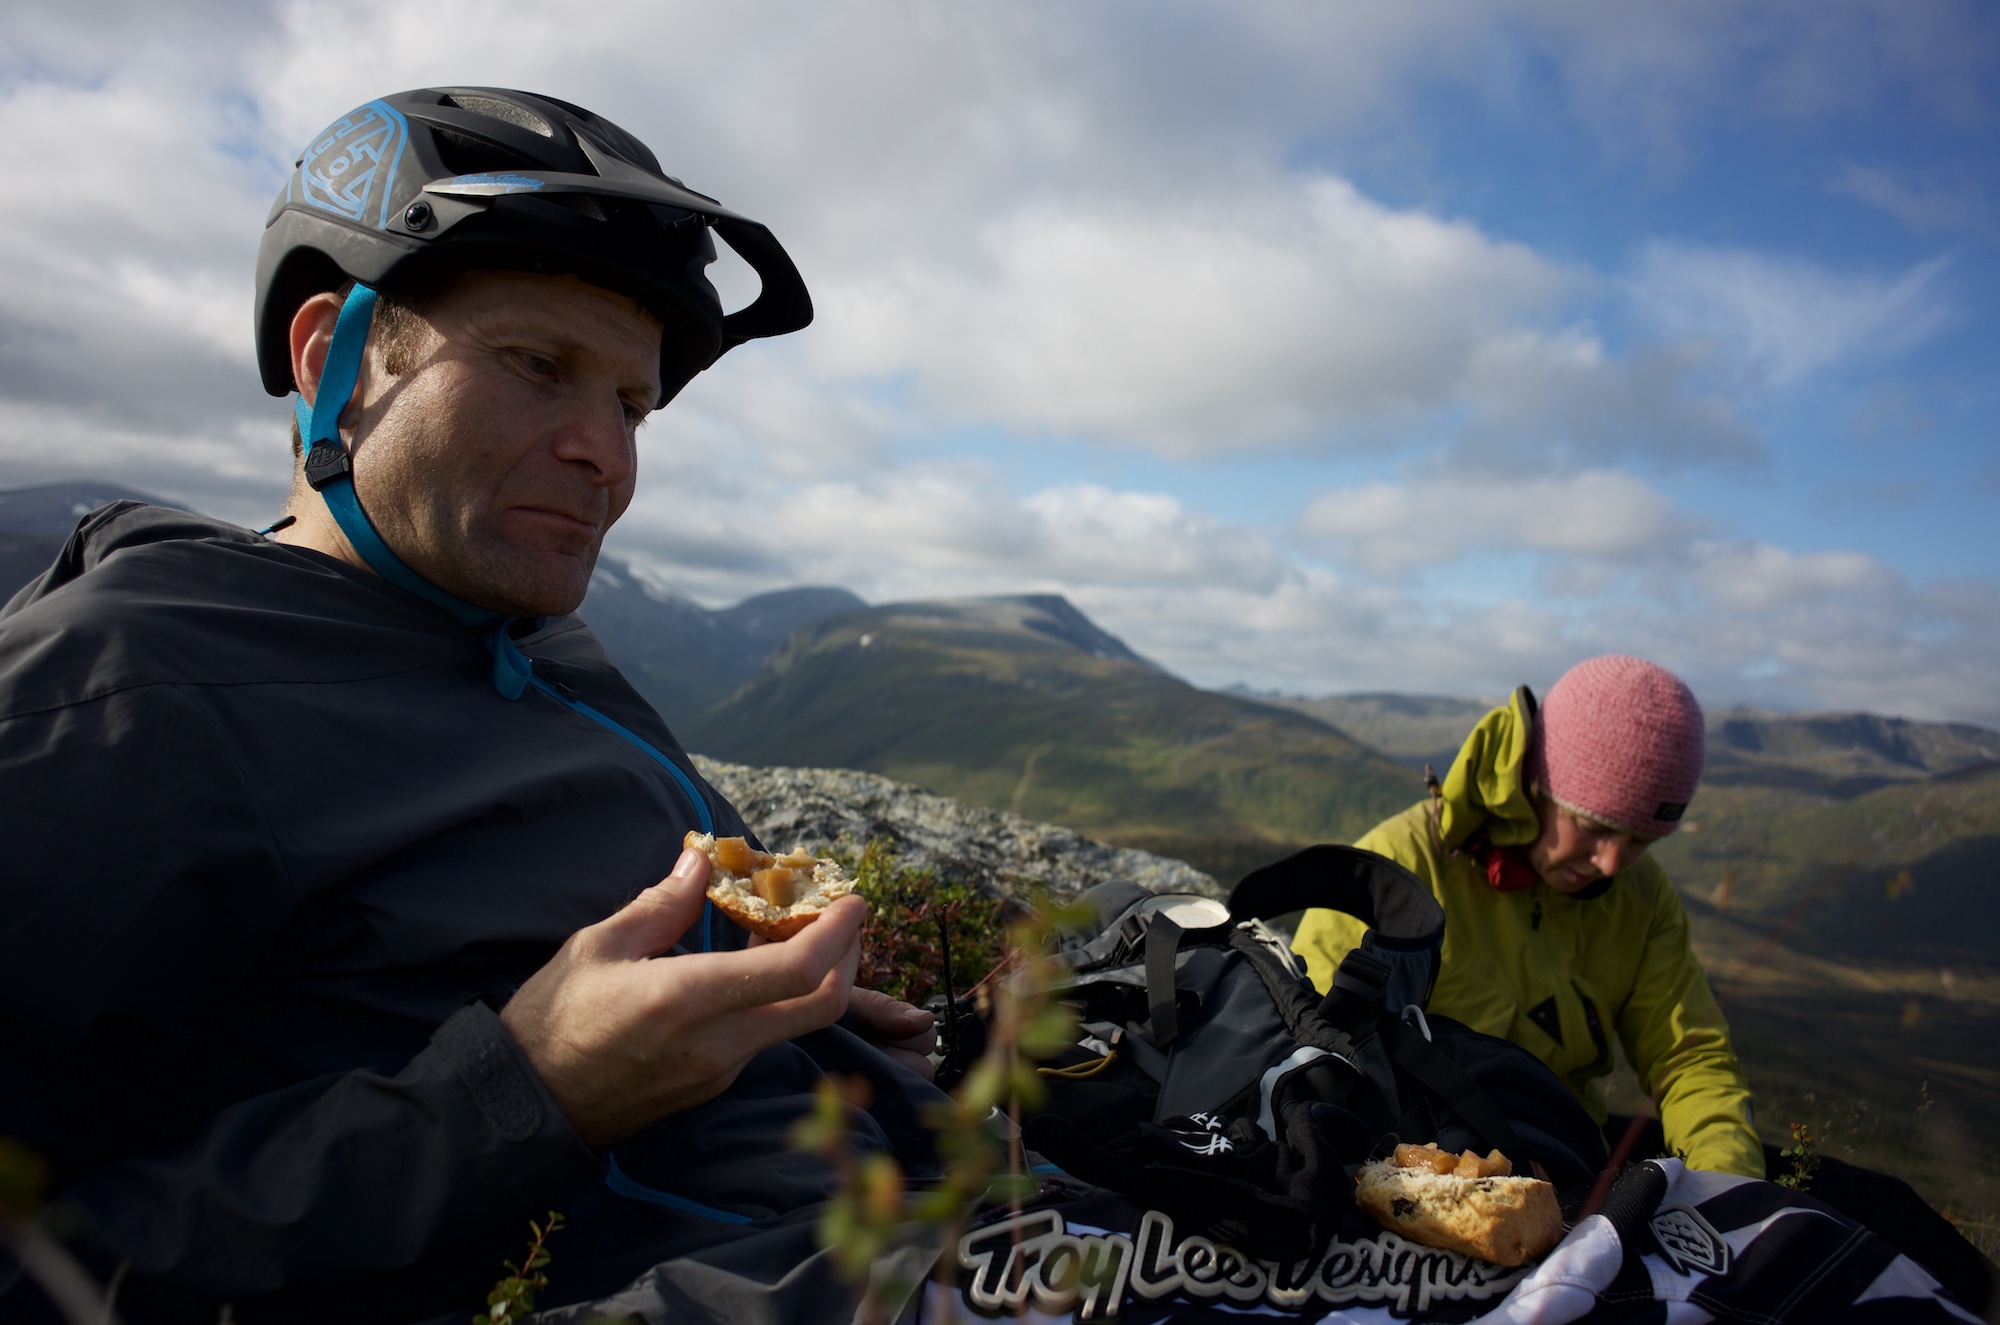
pixel 695 798
pixel 624 1184
pixel 514 672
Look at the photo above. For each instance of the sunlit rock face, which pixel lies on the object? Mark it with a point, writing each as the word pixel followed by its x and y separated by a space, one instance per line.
pixel 824 807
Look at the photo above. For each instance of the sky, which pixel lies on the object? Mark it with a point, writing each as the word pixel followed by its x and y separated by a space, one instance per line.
pixel 1321 347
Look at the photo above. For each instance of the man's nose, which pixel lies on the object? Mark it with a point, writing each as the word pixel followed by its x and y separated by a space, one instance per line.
pixel 596 434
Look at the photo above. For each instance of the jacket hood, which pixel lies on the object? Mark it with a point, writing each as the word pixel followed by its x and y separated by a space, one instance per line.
pixel 1487 786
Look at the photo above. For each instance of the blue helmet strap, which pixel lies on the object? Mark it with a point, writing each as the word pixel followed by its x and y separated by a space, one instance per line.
pixel 330 471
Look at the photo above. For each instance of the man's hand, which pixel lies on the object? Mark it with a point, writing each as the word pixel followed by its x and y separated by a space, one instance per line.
pixel 907 1034
pixel 623 1037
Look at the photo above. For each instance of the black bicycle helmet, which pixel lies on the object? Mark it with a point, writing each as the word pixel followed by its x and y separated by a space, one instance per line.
pixel 458 178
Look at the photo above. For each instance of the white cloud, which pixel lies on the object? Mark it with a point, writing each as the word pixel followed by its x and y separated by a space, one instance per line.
pixel 1926 211
pixel 1801 630
pixel 1274 318
pixel 945 530
pixel 1540 398
pixel 237 471
pixel 995 212
pixel 1757 577
pixel 1786 317
pixel 125 241
pixel 1316 632
pixel 1391 528
pixel 1121 222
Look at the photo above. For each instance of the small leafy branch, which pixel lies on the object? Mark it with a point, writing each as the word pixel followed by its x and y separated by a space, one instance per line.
pixel 514 1296
pixel 872 1209
pixel 1803 1152
pixel 902 950
pixel 24 1177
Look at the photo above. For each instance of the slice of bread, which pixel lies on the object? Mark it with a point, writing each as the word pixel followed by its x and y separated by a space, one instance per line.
pixel 1506 1220
pixel 773 896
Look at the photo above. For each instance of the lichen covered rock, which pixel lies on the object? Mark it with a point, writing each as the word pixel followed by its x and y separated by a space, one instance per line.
pixel 822 808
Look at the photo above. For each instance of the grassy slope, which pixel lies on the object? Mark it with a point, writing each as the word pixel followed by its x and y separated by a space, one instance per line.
pixel 1016 720
pixel 1900 876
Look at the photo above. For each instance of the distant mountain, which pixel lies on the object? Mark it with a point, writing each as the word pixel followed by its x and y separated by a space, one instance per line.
pixel 1825 754
pixel 769 619
pixel 1838 754
pixel 1411 729
pixel 36 522
pixel 682 656
pixel 1025 705
pixel 50 511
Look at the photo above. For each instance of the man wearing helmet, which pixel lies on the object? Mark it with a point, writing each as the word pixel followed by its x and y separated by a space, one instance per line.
pixel 342 857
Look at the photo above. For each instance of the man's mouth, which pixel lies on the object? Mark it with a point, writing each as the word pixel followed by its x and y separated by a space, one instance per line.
pixel 580 523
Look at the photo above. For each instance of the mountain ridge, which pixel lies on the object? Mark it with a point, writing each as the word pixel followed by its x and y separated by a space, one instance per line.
pixel 1012 703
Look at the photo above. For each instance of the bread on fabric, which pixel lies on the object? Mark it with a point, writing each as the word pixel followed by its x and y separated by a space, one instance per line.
pixel 773 896
pixel 1476 1207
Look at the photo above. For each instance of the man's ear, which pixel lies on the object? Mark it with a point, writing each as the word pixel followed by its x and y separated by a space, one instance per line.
pixel 312 337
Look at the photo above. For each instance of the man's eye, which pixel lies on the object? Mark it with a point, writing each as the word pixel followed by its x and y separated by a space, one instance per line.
pixel 539 365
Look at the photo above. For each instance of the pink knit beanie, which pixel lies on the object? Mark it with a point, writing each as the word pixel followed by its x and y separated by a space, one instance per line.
pixel 1620 740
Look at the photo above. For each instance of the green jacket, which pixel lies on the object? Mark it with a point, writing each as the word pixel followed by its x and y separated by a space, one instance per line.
pixel 1558 974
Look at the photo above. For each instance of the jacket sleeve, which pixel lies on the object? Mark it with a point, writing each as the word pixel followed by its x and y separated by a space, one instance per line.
pixel 294 1192
pixel 1678 1042
pixel 143 892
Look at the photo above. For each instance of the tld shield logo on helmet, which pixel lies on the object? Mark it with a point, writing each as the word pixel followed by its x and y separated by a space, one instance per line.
pixel 350 169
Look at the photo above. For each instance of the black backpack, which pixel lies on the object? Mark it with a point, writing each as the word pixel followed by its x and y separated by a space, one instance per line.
pixel 1212 1082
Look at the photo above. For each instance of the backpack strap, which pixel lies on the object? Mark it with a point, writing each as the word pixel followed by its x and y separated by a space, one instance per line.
pixel 1163 1018
pixel 1372 888
pixel 1405 922
pixel 1413 1052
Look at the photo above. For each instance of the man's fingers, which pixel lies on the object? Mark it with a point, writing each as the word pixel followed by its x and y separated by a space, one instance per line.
pixel 923 1043
pixel 887 1020
pixel 831 938
pixel 907 1034
pixel 815 965
pixel 654 921
pixel 774 1022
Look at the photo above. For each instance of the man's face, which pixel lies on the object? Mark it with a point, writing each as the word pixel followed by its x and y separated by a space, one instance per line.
pixel 494 465
pixel 1574 852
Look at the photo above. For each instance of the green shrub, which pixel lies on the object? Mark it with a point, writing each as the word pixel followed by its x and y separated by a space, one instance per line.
pixel 901 951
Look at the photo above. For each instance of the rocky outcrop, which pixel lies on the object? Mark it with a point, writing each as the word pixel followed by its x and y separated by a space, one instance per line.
pixel 821 807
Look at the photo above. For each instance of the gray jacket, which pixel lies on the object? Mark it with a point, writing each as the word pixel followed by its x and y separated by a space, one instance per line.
pixel 275 849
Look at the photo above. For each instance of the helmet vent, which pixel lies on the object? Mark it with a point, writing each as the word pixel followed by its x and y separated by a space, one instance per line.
pixel 509 111
pixel 464 154
pixel 578 202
